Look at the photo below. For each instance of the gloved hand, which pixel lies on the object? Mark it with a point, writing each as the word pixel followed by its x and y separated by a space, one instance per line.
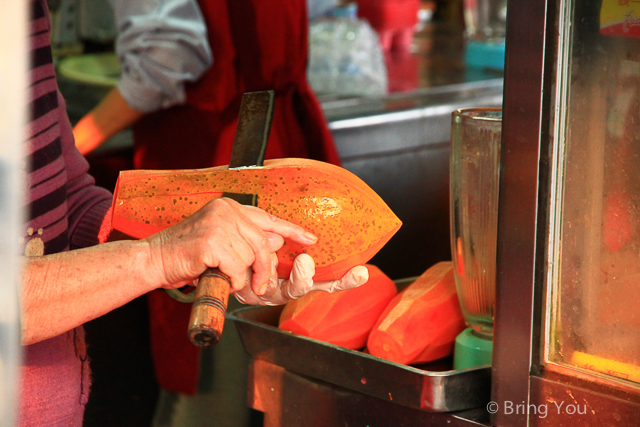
pixel 300 282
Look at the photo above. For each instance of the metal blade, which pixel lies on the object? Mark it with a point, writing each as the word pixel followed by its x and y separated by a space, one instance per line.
pixel 249 146
pixel 254 126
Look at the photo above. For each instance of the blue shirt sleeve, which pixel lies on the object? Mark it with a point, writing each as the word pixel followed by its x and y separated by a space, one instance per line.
pixel 161 44
pixel 316 8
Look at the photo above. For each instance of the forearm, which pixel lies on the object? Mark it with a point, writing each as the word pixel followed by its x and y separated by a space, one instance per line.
pixel 111 116
pixel 65 290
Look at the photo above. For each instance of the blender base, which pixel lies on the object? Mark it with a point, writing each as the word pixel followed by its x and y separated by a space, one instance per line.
pixel 471 350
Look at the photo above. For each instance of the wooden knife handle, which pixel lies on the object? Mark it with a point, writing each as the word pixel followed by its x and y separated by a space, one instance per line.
pixel 209 308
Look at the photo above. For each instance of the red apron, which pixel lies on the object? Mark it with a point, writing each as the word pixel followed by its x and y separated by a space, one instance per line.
pixel 257 45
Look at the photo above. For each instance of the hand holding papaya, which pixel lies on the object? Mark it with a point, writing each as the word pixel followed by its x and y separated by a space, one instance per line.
pixel 241 241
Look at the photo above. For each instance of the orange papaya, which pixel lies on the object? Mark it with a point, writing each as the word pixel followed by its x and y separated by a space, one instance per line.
pixel 351 221
pixel 421 323
pixel 342 318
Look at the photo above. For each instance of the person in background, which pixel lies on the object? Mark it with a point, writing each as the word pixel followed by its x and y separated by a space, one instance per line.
pixel 162 47
pixel 184 68
pixel 164 50
pixel 68 279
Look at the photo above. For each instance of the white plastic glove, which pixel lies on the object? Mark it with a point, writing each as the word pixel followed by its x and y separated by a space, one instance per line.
pixel 300 282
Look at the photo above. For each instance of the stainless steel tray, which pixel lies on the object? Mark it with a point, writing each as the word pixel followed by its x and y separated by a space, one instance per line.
pixel 433 387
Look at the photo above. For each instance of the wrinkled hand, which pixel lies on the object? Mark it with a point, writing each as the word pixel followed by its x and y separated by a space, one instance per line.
pixel 240 240
pixel 301 282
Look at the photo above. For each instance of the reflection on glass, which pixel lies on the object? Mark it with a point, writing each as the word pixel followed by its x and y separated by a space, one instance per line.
pixel 595 251
pixel 485 19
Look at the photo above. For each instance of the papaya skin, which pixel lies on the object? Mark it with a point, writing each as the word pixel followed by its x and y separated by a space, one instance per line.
pixel 342 318
pixel 351 221
pixel 422 322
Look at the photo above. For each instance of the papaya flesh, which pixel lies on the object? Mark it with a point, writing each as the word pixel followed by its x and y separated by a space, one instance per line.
pixel 342 318
pixel 351 221
pixel 421 323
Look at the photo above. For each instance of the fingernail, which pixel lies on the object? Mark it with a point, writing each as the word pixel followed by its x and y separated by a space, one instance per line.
pixel 310 237
pixel 263 289
pixel 272 238
pixel 275 241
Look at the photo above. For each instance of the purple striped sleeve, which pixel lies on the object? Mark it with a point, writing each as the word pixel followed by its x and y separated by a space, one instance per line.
pixel 87 203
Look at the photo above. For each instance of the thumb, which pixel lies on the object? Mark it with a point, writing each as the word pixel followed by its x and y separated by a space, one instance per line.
pixel 301 277
pixel 275 241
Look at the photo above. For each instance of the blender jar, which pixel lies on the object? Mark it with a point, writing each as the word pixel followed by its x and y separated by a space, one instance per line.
pixel 475 171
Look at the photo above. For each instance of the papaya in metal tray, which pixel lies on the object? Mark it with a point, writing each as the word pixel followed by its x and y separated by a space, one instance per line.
pixel 421 323
pixel 351 221
pixel 340 318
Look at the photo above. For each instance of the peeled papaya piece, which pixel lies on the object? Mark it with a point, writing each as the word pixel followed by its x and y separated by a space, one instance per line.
pixel 421 323
pixel 350 220
pixel 342 318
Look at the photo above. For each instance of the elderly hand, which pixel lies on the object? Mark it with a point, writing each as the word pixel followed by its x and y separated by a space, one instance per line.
pixel 240 240
pixel 301 282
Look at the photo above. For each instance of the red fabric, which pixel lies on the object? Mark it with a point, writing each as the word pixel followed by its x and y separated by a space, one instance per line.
pixel 394 21
pixel 257 45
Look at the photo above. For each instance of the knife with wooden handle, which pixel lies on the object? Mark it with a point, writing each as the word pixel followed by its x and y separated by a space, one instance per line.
pixel 212 293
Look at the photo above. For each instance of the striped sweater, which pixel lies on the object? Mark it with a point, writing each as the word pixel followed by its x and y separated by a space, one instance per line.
pixel 64 211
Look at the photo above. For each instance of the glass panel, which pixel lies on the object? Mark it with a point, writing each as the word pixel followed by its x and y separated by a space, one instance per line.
pixel 594 304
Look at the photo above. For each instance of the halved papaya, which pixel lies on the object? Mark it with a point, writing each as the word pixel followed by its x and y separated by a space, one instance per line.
pixel 342 318
pixel 351 221
pixel 421 323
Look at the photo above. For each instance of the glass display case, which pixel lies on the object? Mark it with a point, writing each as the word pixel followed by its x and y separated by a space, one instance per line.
pixel 567 340
pixel 593 283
